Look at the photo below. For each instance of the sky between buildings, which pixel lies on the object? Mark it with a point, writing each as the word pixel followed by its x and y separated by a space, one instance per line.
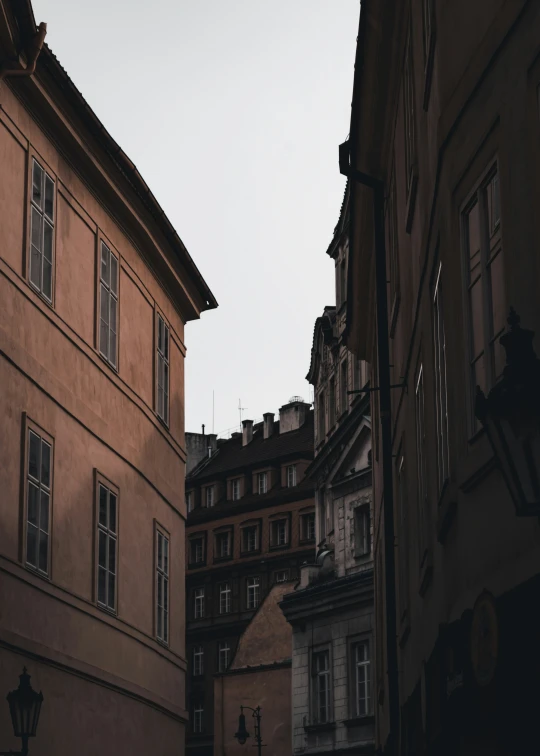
pixel 232 110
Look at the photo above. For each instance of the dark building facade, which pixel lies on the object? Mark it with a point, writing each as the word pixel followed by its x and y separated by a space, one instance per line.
pixel 251 524
pixel 444 167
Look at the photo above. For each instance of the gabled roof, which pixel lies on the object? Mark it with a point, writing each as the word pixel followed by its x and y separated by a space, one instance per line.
pixel 324 327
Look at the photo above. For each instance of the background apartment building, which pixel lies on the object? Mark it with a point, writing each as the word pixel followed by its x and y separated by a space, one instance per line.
pixel 95 290
pixel 331 608
pixel 449 126
pixel 251 523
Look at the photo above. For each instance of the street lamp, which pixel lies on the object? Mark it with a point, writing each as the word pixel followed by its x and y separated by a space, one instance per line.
pixel 242 735
pixel 510 415
pixel 24 707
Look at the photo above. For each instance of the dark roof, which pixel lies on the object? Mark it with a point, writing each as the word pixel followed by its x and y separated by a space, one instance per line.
pixel 231 455
pixel 325 323
pixel 342 223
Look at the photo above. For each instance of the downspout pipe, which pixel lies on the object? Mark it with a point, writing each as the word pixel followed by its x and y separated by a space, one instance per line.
pixel 383 365
pixel 34 49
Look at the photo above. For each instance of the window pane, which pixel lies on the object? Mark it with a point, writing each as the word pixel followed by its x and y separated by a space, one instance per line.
pixel 160 590
pixel 473 229
pixel 112 321
pixel 103 505
pixel 37 182
pixel 105 265
pixel 45 463
pixel 35 267
pixel 165 594
pixel 47 241
pixel 49 197
pixel 166 377
pixel 43 551
pixel 36 229
pixel 112 591
pixel 114 274
pixel 44 512
pixel 477 318
pixel 497 293
pixel 165 625
pixel 166 343
pixel 112 555
pixel 160 334
pixel 160 624
pixel 112 512
pixel 33 494
pixel 31 545
pixel 47 279
pixel 160 550
pixel 165 556
pixel 102 549
pixel 112 348
pixel 33 455
pixel 493 203
pixel 104 306
pixel 102 582
pixel 104 338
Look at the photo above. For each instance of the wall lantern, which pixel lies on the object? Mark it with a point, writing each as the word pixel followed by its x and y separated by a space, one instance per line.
pixel 242 735
pixel 510 415
pixel 24 707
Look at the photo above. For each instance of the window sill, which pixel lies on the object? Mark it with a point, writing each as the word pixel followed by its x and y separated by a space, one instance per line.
pixel 255 552
pixel 219 560
pixel 368 719
pixel 196 565
pixel 362 554
pixel 282 547
pixel 320 727
pixel 306 541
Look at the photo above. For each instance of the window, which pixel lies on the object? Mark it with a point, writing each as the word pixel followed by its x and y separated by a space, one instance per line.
pixel 223 545
pixel 359 379
pixel 236 489
pixel 253 585
pixel 420 461
pixel 441 405
pixel 343 282
pixel 198 661
pixel 343 386
pixel 210 496
pixel 224 652
pixel 198 714
pixel 321 417
pixel 262 482
pixel 332 403
pixel 291 476
pixel 108 308
pixel 278 532
pixel 409 116
pixel 162 594
pixel 485 287
pixel 162 370
pixel 307 526
pixel 39 502
pixel 199 603
pixel 224 598
pixel 250 538
pixel 321 686
pixel 403 537
pixel 197 550
pixel 41 231
pixel 189 501
pixel 362 679
pixel 362 534
pixel 107 547
pixel 281 576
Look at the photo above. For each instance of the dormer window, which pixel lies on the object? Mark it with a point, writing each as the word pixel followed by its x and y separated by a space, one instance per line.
pixel 189 501
pixel 291 476
pixel 210 496
pixel 236 489
pixel 262 482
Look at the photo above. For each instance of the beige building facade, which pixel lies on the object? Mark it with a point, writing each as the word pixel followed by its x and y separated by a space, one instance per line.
pixel 95 291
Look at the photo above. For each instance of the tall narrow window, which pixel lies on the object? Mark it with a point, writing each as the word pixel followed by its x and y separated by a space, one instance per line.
pixel 224 598
pixel 420 461
pixel 362 679
pixel 162 593
pixel 343 386
pixel 163 370
pixel 408 104
pixel 362 535
pixel 210 496
pixel 331 403
pixel 236 489
pixel 307 527
pixel 42 231
pixel 485 287
pixel 107 547
pixel 321 417
pixel 321 687
pixel 223 545
pixel 224 652
pixel 189 501
pixel 279 532
pixel 253 588
pixel 38 507
pixel 198 598
pixel 198 661
pixel 198 717
pixel 250 538
pixel 262 481
pixel 291 476
pixel 441 406
pixel 196 551
pixel 108 309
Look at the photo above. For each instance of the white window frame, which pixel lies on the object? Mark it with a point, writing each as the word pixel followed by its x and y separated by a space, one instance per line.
pixel 209 497
pixel 38 502
pixel 236 489
pixel 162 586
pixel 281 576
pixel 220 540
pixel 321 686
pixel 280 532
pixel 108 304
pixel 291 476
pixel 198 714
pixel 163 369
pixel 362 678
pixel 441 398
pixel 198 661
pixel 225 596
pixel 41 220
pixel 107 533
pixel 224 651
pixel 249 544
pixel 198 603
pixel 253 592
pixel 262 482
pixel 189 501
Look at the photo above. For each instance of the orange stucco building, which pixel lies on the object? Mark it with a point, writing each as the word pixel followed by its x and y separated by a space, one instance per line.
pixel 95 290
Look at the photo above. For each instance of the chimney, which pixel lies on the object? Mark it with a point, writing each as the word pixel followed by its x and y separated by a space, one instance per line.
pixel 268 424
pixel 293 415
pixel 247 432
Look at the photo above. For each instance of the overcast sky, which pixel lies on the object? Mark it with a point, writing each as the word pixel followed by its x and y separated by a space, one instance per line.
pixel 232 110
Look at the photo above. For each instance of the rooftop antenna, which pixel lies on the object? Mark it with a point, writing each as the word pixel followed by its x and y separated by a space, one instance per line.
pixel 203 429
pixel 240 410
